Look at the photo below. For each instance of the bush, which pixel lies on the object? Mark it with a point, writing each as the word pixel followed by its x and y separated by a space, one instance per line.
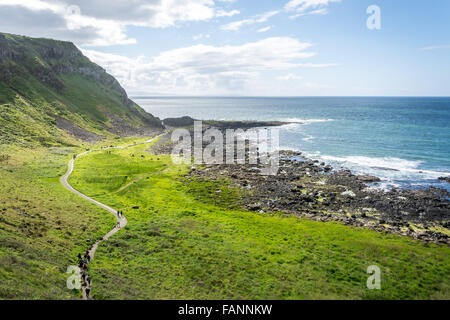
pixel 4 157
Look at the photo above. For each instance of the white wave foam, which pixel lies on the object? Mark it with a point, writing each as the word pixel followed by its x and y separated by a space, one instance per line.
pixel 386 162
pixel 386 185
pixel 386 167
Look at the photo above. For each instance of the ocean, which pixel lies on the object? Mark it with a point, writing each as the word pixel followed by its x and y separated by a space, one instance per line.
pixel 403 140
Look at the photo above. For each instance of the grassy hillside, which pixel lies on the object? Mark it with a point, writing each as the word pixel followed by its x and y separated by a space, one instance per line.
pixel 42 226
pixel 54 103
pixel 42 81
pixel 188 240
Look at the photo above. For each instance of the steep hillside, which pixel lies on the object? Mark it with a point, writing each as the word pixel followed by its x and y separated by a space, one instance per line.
pixel 51 94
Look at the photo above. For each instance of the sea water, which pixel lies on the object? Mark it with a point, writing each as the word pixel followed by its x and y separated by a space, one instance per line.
pixel 403 140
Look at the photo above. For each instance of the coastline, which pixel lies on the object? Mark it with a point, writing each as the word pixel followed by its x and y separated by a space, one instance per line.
pixel 365 134
pixel 308 188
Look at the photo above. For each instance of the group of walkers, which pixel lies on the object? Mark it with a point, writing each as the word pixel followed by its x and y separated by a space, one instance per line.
pixel 83 262
pixel 86 280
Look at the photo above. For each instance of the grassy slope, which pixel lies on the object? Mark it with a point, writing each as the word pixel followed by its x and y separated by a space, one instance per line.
pixel 32 93
pixel 42 226
pixel 186 241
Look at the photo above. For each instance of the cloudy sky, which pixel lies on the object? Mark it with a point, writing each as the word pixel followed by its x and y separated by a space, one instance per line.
pixel 252 47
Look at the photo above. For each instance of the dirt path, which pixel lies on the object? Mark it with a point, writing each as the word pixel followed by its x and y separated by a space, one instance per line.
pixel 129 184
pixel 121 221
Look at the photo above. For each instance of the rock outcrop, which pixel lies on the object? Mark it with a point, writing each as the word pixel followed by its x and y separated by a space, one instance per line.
pixel 54 79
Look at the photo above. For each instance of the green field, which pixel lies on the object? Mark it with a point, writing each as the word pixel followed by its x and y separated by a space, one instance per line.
pixel 42 226
pixel 188 240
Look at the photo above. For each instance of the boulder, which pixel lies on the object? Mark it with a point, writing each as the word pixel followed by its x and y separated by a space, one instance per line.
pixel 368 179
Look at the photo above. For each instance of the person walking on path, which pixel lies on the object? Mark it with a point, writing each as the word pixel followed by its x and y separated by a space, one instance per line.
pixel 88 290
pixel 83 276
pixel 87 256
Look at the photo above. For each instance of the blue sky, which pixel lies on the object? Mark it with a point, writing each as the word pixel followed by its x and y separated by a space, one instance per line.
pixel 274 48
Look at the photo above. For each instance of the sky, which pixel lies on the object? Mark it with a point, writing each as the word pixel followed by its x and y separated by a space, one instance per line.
pixel 252 47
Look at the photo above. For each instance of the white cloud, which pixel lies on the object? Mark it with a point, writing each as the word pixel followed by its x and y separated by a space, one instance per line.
pixel 59 20
pixel 203 69
pixel 201 36
pixel 435 47
pixel 289 77
pixel 100 22
pixel 265 29
pixel 308 7
pixel 236 25
pixel 222 13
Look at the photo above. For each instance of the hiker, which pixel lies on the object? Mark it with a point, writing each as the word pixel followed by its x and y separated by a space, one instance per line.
pixel 118 224
pixel 74 157
pixel 83 276
pixel 88 290
pixel 88 280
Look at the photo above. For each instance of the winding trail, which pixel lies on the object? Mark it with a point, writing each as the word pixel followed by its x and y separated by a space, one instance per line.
pixel 121 221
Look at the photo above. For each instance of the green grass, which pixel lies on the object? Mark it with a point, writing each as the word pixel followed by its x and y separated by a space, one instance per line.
pixel 42 226
pixel 187 240
pixel 43 79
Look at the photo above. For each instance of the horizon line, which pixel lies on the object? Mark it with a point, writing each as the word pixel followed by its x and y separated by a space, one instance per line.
pixel 242 96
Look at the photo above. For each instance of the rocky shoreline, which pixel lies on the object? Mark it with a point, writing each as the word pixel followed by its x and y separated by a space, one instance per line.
pixel 315 190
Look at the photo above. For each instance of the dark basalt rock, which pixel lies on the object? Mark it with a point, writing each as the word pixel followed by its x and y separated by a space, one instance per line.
pixel 179 122
pixel 368 179
pixel 385 169
pixel 307 188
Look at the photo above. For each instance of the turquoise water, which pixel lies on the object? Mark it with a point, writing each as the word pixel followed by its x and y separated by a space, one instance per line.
pixel 404 141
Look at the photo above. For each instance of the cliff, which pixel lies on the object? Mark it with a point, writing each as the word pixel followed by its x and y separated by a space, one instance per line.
pixel 49 86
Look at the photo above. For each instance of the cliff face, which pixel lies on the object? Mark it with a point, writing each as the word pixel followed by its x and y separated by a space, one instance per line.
pixel 56 81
